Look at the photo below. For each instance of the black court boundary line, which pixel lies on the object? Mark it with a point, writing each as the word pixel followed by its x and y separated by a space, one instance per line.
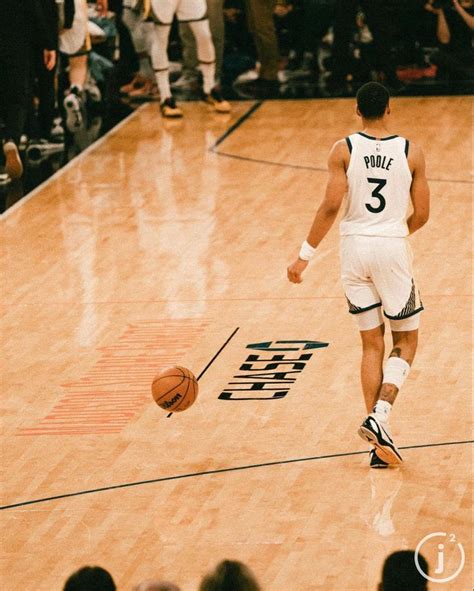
pixel 250 112
pixel 216 471
pixel 235 125
pixel 212 360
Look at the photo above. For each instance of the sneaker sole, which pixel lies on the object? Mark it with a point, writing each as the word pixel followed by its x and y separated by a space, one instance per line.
pixel 379 465
pixel 218 109
pixel 385 452
pixel 73 117
pixel 171 115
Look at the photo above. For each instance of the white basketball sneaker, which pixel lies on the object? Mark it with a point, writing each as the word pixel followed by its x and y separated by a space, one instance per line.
pixel 376 433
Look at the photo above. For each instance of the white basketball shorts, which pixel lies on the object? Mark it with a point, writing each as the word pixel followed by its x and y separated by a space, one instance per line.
pixel 187 11
pixel 377 272
pixel 76 40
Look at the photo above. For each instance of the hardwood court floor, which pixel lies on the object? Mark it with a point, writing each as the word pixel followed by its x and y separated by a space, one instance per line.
pixel 151 249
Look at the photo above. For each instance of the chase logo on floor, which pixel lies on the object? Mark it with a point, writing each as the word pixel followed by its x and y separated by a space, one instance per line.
pixel 269 375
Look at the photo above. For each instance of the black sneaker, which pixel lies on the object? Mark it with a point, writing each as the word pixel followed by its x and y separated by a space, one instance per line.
pixel 215 99
pixel 377 435
pixel 170 109
pixel 375 461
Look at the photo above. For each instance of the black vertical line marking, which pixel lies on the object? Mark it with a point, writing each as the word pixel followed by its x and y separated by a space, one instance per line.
pixel 236 125
pixel 212 360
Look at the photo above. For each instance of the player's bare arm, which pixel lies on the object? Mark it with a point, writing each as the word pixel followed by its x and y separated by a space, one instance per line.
pixel 327 212
pixel 419 191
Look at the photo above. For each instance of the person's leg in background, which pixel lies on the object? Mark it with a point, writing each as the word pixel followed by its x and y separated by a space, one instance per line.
pixel 215 12
pixel 46 86
pixel 262 27
pixel 13 106
pixel 141 33
pixel 74 99
pixel 14 73
pixel 159 58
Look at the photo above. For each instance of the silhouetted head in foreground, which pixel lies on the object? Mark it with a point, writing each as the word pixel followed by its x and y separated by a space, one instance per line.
pixel 230 575
pixel 400 573
pixel 90 578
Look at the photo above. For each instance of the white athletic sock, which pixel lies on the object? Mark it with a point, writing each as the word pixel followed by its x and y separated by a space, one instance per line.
pixel 382 410
pixel 208 77
pixel 163 81
pixel 159 57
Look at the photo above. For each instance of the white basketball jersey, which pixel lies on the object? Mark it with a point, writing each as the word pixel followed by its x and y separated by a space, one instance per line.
pixel 379 180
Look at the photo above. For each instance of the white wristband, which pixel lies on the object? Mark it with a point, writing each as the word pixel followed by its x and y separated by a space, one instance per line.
pixel 307 251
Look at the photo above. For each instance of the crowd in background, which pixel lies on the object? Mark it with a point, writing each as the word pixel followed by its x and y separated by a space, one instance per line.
pixel 63 62
pixel 399 573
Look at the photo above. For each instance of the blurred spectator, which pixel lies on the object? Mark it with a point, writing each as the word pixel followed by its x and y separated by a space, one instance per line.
pixel 156 586
pixel 383 20
pixel 22 25
pixel 312 20
pixel 261 25
pixel 90 578
pixel 400 573
pixel 42 81
pixel 195 13
pixel 455 21
pixel 142 85
pixel 230 575
pixel 75 43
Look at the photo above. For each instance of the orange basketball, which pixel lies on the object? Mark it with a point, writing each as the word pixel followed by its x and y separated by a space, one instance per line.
pixel 175 389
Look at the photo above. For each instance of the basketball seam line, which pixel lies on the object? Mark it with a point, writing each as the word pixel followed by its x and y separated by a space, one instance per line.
pixel 184 396
pixel 170 390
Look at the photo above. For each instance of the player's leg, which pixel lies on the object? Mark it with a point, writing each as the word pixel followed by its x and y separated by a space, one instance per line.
pixel 159 57
pixel 373 349
pixel 207 63
pixel 365 306
pixel 162 14
pixel 399 362
pixel 393 277
pixel 375 428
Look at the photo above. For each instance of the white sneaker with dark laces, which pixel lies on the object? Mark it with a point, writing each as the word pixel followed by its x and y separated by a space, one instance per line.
pixel 375 432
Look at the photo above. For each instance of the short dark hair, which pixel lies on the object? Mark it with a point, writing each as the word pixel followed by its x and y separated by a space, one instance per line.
pixel 400 572
pixel 372 100
pixel 90 578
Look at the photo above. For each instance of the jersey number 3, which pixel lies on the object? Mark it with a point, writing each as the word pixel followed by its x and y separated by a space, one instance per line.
pixel 377 195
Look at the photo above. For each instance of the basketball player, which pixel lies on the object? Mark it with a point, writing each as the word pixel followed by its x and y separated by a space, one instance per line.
pixel 380 173
pixel 193 12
